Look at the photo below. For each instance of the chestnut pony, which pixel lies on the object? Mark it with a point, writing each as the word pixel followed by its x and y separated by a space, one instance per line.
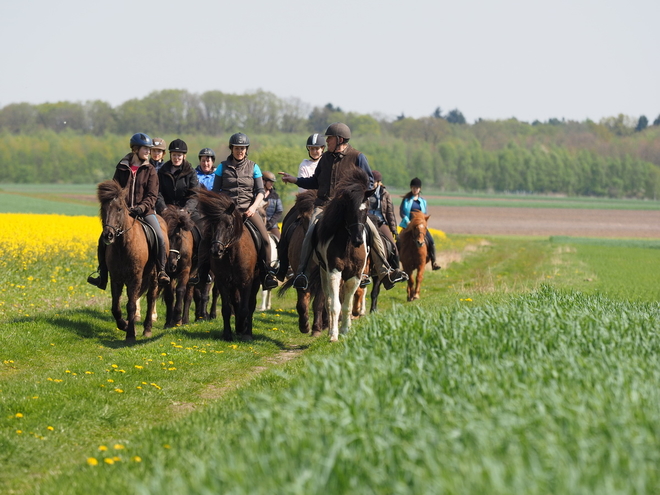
pixel 234 261
pixel 178 294
pixel 127 257
pixel 413 252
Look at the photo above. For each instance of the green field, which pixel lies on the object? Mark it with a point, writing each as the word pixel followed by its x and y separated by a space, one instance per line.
pixel 528 366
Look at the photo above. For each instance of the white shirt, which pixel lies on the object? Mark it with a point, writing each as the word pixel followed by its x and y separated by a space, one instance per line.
pixel 306 169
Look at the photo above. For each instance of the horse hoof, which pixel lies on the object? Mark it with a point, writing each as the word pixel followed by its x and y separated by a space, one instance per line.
pixel 334 339
pixel 147 333
pixel 316 333
pixel 122 325
pixel 245 338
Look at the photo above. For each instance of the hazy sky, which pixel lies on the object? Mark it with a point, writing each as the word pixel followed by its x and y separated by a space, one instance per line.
pixel 529 59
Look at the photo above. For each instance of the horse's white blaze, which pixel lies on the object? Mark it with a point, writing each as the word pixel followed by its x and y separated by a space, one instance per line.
pixel 363 207
pixel 265 294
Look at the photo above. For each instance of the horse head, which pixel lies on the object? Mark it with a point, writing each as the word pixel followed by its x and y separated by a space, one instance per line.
pixel 224 221
pixel 179 224
pixel 114 210
pixel 418 227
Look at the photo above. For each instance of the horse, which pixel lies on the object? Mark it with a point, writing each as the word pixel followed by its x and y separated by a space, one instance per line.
pixel 295 234
pixel 127 257
pixel 234 261
pixel 413 251
pixel 342 248
pixel 179 266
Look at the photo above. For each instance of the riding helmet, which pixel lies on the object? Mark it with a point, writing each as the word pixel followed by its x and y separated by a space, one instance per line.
pixel 416 183
pixel 269 176
pixel 178 146
pixel 377 175
pixel 141 139
pixel 340 130
pixel 207 152
pixel 239 139
pixel 316 140
pixel 159 144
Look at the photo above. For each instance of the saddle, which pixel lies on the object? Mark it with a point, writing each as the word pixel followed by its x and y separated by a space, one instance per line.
pixel 256 237
pixel 150 234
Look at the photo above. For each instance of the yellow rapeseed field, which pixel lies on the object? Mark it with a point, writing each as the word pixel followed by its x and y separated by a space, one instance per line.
pixel 29 238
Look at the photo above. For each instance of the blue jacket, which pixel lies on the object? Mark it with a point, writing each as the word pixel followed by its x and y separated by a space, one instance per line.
pixel 404 210
pixel 205 180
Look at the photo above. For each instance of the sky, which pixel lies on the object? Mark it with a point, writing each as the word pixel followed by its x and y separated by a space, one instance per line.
pixel 528 59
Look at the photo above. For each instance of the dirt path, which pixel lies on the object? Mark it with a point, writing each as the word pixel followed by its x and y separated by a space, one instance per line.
pixel 545 221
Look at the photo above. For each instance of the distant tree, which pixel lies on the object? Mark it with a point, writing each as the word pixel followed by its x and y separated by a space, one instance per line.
pixel 401 117
pixel 321 118
pixel 554 121
pixel 657 121
pixel 437 113
pixel 332 108
pixel 455 117
pixel 621 125
pixel 19 117
pixel 642 124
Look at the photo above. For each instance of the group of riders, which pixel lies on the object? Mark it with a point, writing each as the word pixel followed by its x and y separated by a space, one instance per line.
pixel 152 185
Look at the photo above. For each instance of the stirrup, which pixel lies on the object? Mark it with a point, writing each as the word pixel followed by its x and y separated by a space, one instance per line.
pixel 365 280
pixel 270 282
pixel 435 266
pixel 301 282
pixel 97 281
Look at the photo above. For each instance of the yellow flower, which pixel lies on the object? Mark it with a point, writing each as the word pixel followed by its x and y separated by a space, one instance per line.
pixel 19 431
pixel 19 415
pixel 110 380
pixel 103 448
pixel 115 366
pixel 136 458
pixel 119 391
pixel 167 446
pixel 139 367
pixel 107 460
pixel 50 428
pixel 92 461
pixel 118 446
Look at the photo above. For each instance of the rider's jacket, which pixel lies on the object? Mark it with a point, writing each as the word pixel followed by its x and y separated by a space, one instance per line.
pixel 142 185
pixel 331 169
pixel 242 181
pixel 177 186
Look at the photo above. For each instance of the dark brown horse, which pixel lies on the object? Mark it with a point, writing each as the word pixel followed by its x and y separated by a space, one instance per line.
pixel 342 248
pixel 304 206
pixel 234 261
pixel 178 294
pixel 413 252
pixel 127 257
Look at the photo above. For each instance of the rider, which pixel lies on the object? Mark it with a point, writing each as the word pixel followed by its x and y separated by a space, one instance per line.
pixel 274 208
pixel 413 201
pixel 241 179
pixel 380 206
pixel 333 163
pixel 157 152
pixel 136 173
pixel 315 148
pixel 206 168
pixel 177 180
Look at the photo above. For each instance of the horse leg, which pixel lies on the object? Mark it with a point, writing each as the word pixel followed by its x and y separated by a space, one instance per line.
pixel 168 297
pixel 418 282
pixel 226 316
pixel 214 303
pixel 181 289
pixel 331 284
pixel 375 291
pixel 185 318
pixel 132 291
pixel 152 297
pixel 138 313
pixel 117 288
pixel 302 307
pixel 350 287
pixel 411 283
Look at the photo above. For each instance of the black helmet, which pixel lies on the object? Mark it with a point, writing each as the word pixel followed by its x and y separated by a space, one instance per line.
pixel 416 183
pixel 141 139
pixel 178 146
pixel 239 139
pixel 316 140
pixel 378 177
pixel 269 176
pixel 207 152
pixel 340 130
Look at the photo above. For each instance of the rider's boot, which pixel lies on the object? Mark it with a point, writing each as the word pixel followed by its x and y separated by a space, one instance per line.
pixel 163 277
pixel 102 280
pixel 270 280
pixel 394 276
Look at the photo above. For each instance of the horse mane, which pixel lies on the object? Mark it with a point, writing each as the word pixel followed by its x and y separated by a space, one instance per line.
pixel 305 202
pixel 349 195
pixel 177 218
pixel 108 190
pixel 418 217
pixel 213 206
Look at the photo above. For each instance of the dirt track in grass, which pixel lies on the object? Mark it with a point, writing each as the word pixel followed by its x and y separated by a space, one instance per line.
pixel 545 221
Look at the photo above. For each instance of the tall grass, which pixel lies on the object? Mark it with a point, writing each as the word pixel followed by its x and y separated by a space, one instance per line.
pixel 549 392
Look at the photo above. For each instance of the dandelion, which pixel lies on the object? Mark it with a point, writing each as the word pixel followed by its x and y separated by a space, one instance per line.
pixel 136 458
pixel 102 448
pixel 167 446
pixel 19 415
pixel 119 391
pixel 118 446
pixel 137 366
pixel 19 432
pixel 115 366
pixel 50 428
pixel 107 460
pixel 110 380
pixel 116 458
pixel 92 461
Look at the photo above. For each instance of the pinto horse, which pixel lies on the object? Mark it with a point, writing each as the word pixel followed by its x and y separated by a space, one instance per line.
pixel 178 294
pixel 342 249
pixel 413 252
pixel 127 257
pixel 313 295
pixel 234 261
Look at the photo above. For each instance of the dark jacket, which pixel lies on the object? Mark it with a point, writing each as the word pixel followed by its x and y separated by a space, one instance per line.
pixel 177 187
pixel 330 170
pixel 242 181
pixel 382 202
pixel 142 186
pixel 273 210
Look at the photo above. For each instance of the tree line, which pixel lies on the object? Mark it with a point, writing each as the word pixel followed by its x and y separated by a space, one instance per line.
pixel 81 143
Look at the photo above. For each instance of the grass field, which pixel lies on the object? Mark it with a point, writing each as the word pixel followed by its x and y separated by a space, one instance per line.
pixel 528 366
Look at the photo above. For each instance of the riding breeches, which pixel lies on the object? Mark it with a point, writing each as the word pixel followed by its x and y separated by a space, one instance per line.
pixel 258 222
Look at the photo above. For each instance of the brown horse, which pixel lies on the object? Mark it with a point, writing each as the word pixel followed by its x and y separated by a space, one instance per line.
pixel 413 251
pixel 127 257
pixel 295 234
pixel 178 294
pixel 341 248
pixel 234 261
